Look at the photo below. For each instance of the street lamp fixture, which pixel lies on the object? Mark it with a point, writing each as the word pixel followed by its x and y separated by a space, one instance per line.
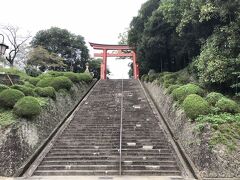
pixel 3 46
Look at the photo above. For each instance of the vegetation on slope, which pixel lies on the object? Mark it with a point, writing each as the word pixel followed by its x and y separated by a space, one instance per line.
pixel 27 98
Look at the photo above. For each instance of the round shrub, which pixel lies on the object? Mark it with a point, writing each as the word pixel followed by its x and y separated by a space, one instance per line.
pixel 33 80
pixel 182 92
pixel 27 91
pixel 28 84
pixel 72 76
pixel 27 107
pixel 86 77
pixel 61 82
pixel 3 87
pixel 9 97
pixel 45 82
pixel 46 92
pixel 171 88
pixel 227 105
pixel 213 97
pixel 194 105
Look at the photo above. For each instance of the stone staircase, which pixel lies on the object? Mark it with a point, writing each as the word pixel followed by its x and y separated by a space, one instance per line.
pixel 90 144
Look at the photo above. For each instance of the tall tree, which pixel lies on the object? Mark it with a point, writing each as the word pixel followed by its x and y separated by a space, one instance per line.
pixel 40 58
pixel 72 48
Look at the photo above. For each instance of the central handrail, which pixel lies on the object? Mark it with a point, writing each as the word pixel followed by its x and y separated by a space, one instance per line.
pixel 121 128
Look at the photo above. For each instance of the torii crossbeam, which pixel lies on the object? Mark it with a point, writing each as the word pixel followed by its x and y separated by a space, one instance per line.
pixel 105 54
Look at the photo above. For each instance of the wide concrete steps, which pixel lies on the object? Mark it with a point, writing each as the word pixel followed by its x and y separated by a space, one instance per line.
pixel 90 144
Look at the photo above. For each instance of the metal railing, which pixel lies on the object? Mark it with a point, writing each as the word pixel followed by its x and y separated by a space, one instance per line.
pixel 121 128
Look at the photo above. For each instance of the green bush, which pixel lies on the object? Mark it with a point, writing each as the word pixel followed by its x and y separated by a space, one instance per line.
pixel 74 77
pixel 27 107
pixel 182 92
pixel 9 97
pixel 169 79
pixel 45 82
pixel 3 87
pixel 27 91
pixel 213 97
pixel 55 73
pixel 219 118
pixel 85 77
pixel 61 82
pixel 171 88
pixel 194 106
pixel 227 105
pixel 46 92
pixel 33 80
pixel 28 84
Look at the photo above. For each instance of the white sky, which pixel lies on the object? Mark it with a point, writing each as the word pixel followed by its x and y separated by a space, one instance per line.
pixel 99 21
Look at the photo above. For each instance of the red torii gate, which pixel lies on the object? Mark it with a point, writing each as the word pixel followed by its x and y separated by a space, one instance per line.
pixel 119 48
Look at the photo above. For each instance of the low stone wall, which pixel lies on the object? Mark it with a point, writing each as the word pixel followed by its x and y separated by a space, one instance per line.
pixel 20 140
pixel 6 79
pixel 214 162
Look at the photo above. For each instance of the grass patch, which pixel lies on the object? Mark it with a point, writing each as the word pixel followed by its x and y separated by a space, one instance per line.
pixel 225 129
pixel 6 117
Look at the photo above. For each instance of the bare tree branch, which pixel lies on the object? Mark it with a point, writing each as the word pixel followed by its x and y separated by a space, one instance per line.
pixel 15 40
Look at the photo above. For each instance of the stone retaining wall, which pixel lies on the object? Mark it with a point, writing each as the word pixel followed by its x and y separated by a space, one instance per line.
pixel 20 140
pixel 215 162
pixel 4 79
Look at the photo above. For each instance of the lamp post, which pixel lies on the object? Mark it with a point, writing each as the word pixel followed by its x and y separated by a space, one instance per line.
pixel 3 46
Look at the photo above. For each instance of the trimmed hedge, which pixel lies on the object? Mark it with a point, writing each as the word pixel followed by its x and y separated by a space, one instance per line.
pixel 194 105
pixel 171 88
pixel 86 77
pixel 45 82
pixel 72 76
pixel 213 97
pixel 27 91
pixel 227 105
pixel 3 87
pixel 54 73
pixel 9 97
pixel 182 92
pixel 28 84
pixel 46 92
pixel 33 80
pixel 61 82
pixel 27 107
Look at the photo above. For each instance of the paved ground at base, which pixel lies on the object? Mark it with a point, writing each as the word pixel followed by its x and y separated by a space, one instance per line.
pixel 98 178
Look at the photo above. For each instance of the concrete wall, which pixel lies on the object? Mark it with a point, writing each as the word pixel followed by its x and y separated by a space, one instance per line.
pixel 211 162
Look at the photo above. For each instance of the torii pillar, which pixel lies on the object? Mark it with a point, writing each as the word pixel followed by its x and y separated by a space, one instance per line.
pixel 105 54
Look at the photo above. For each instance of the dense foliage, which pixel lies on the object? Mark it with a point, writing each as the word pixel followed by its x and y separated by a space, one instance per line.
pixel 45 92
pixel 169 34
pixel 72 48
pixel 27 107
pixel 9 97
pixel 194 105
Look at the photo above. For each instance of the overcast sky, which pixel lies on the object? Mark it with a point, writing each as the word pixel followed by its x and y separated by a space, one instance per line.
pixel 98 21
